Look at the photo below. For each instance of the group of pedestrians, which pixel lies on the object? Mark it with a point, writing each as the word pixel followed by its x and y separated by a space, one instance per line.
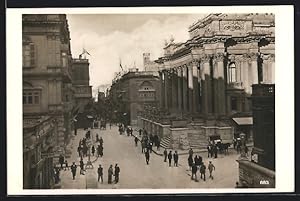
pixel 171 156
pixel 99 147
pixel 196 164
pixel 111 172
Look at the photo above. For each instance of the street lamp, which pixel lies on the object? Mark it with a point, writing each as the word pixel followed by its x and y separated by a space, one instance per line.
pixel 89 164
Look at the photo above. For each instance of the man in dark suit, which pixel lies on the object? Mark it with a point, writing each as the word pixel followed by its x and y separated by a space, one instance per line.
pixel 170 158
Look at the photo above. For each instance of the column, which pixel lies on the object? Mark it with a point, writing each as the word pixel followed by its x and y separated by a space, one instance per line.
pixel 199 89
pixel 206 85
pixel 219 84
pixel 190 88
pixel 174 90
pixel 179 89
pixel 253 68
pixel 196 86
pixel 162 90
pixel 245 73
pixel 166 82
pixel 169 89
pixel 272 73
pixel 184 89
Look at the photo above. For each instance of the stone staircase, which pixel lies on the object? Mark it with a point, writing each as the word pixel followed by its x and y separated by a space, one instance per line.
pixel 197 141
pixel 165 142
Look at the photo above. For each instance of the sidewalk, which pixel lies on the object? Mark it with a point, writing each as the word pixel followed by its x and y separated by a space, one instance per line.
pixel 179 151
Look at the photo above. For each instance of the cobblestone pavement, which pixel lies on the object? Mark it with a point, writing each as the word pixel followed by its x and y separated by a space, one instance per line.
pixel 135 173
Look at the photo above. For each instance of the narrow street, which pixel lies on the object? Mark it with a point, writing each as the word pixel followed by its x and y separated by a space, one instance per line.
pixel 135 173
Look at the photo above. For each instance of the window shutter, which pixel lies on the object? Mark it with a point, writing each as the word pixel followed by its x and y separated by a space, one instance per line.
pixel 32 54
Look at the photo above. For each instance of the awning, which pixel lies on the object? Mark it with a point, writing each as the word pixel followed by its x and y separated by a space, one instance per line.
pixel 243 120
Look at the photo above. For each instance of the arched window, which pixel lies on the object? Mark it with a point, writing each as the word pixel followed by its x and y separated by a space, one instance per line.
pixel 231 73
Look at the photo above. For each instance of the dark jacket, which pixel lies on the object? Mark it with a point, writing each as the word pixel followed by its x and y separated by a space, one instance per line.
pixel 117 170
pixel 147 155
pixel 194 168
pixel 100 170
pixel 73 168
pixel 202 168
pixel 175 156
pixel 169 156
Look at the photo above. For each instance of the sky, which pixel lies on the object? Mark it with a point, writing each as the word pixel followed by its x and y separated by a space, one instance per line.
pixel 111 38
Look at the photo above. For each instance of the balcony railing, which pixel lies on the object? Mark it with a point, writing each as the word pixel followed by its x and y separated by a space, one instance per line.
pixel 263 90
pixel 235 85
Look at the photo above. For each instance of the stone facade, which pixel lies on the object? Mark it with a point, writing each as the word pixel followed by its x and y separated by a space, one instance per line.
pixel 39 140
pixel 47 81
pixel 133 91
pixel 208 78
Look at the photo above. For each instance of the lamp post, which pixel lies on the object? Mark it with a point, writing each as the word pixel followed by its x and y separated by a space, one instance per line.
pixel 89 164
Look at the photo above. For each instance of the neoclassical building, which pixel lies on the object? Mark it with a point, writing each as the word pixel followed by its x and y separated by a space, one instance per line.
pixel 207 79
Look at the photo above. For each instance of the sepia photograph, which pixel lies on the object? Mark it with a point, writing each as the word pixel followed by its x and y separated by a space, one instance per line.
pixel 149 100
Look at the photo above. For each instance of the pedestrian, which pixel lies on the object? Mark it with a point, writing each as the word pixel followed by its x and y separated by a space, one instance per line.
pixel 191 152
pixel 202 171
pixel 246 151
pixel 61 161
pixel 194 172
pixel 101 151
pixel 66 165
pixel 93 150
pixel 208 150
pixel 140 132
pixel 110 174
pixel 81 167
pixel 211 168
pixel 175 156
pixel 196 160
pixel 165 154
pixel 131 131
pixel 216 151
pixel 190 161
pixel 199 160
pixel 147 156
pixel 170 158
pixel 73 170
pixel 237 185
pixel 110 125
pixel 117 172
pixel 79 151
pixel 97 137
pixel 101 141
pixel 158 144
pixel 136 139
pixel 100 173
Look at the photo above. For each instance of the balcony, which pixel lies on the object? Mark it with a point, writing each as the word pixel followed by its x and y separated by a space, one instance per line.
pixel 235 85
pixel 263 90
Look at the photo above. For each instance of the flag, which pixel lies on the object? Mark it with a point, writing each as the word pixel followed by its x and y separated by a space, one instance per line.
pixel 121 65
pixel 84 51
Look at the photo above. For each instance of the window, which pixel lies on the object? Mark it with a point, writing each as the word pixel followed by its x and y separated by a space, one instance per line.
pixel 64 59
pixel 231 73
pixel 31 97
pixel 28 55
pixel 233 104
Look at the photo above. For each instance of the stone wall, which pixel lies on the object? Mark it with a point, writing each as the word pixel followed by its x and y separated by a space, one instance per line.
pixel 255 176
